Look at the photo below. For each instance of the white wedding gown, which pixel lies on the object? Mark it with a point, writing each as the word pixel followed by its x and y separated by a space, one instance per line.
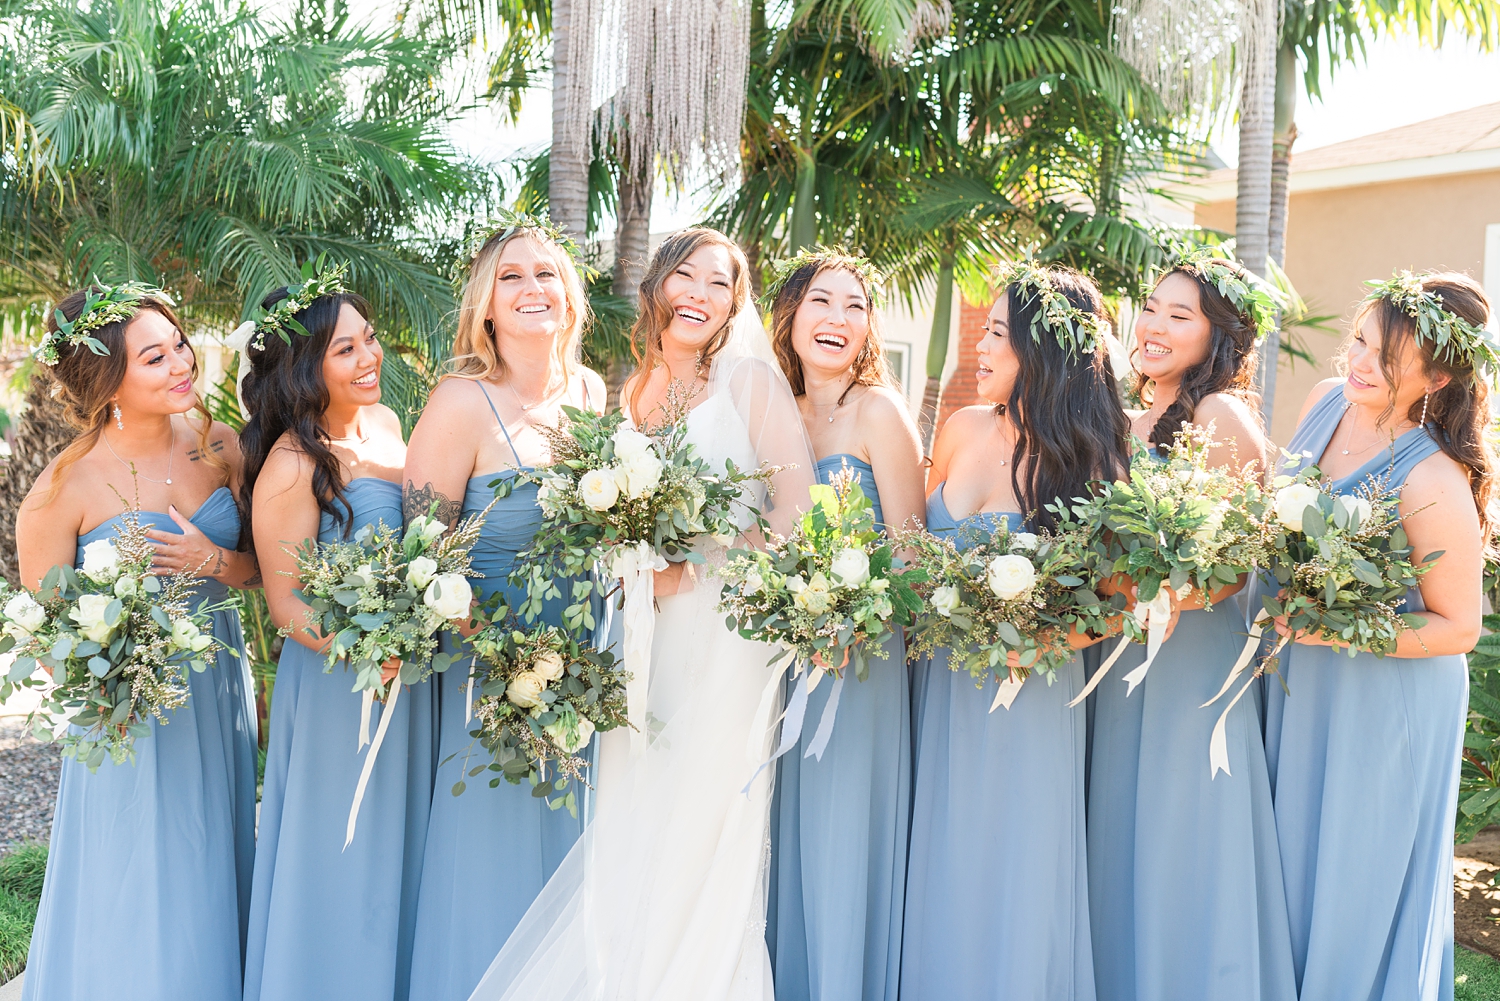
pixel 664 896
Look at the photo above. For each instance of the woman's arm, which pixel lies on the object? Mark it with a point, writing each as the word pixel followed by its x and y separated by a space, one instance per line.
pixel 286 516
pixel 896 456
pixel 47 535
pixel 440 457
pixel 194 552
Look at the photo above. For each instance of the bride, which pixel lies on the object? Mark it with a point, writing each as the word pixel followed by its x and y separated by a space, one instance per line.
pixel 664 896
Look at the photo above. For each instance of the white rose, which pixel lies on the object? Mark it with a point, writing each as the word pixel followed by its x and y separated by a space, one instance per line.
pixel 851 566
pixel 631 444
pixel 101 561
pixel 945 600
pixel 425 528
pixel 753 583
pixel 639 475
pixel 1010 576
pixel 1292 502
pixel 816 596
pixel 187 636
pixel 126 586
pixel 1212 523
pixel 421 571
pixel 24 611
pixel 1356 510
pixel 598 489
pixel 569 732
pixel 90 617
pixel 1022 542
pixel 525 690
pixel 449 595
pixel 549 667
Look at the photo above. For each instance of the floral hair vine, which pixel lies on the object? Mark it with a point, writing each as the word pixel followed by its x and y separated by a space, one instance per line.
pixel 1077 332
pixel 102 305
pixel 319 278
pixel 1250 294
pixel 824 258
pixel 507 224
pixel 1454 339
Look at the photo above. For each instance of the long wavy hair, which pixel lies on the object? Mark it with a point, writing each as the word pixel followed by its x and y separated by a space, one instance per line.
pixel 89 382
pixel 475 352
pixel 286 395
pixel 1229 368
pixel 656 312
pixel 1458 415
pixel 869 365
pixel 1070 428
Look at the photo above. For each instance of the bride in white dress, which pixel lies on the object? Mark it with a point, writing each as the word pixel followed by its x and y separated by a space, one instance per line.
pixel 664 896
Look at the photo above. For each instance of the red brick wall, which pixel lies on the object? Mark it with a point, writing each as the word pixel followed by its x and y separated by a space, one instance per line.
pixel 960 391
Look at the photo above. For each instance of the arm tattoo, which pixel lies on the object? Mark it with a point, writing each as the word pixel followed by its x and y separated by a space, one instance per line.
pixel 253 583
pixel 214 446
pixel 419 500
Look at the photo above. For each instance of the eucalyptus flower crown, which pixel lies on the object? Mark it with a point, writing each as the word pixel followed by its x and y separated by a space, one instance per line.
pixel 102 305
pixel 506 224
pixel 1454 339
pixel 824 258
pixel 1250 294
pixel 1077 332
pixel 319 278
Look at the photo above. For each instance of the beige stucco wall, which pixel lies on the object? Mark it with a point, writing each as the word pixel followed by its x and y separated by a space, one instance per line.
pixel 1337 239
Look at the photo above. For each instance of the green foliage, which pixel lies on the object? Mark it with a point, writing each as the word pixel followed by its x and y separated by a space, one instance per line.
pixel 1476 977
pixel 21 873
pixel 22 870
pixel 1478 788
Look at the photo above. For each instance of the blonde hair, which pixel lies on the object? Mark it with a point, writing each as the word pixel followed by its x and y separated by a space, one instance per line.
pixel 475 352
pixel 869 365
pixel 656 312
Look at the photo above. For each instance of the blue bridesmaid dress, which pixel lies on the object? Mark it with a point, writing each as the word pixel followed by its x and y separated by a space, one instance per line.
pixel 996 886
pixel 1185 894
pixel 1364 757
pixel 157 856
pixel 489 851
pixel 839 830
pixel 328 922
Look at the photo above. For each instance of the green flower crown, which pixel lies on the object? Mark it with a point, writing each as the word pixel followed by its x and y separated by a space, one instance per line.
pixel 1250 294
pixel 319 278
pixel 1455 340
pixel 824 258
pixel 508 222
pixel 1078 333
pixel 103 305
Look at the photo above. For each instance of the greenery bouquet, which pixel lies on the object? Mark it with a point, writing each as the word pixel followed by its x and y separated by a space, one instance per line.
pixel 118 641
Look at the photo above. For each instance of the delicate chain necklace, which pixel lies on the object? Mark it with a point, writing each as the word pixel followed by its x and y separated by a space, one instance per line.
pixel 837 403
pixel 171 454
pixel 526 408
pixel 1349 436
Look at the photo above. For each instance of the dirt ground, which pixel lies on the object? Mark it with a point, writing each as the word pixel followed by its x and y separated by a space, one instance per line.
pixel 1476 900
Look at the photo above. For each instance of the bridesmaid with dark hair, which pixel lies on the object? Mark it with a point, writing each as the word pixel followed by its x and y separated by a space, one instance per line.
pixel 156 854
pixel 997 889
pixel 323 459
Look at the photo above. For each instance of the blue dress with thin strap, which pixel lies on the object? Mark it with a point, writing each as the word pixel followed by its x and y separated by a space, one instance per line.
pixel 157 855
pixel 996 887
pixel 489 850
pixel 330 923
pixel 1185 895
pixel 839 830
pixel 1364 756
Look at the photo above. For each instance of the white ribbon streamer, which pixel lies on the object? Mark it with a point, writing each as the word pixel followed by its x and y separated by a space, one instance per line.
pixel 366 703
pixel 1007 690
pixel 469 694
pixel 636 566
pixel 1218 743
pixel 1109 662
pixel 791 724
pixel 819 742
pixel 1153 615
pixel 364 773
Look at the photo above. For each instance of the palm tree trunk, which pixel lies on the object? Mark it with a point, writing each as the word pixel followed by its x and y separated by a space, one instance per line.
pixel 41 434
pixel 632 244
pixel 1253 194
pixel 1284 134
pixel 937 351
pixel 804 210
pixel 568 170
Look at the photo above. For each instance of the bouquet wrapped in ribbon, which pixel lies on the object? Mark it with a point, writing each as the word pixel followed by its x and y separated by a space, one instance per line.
pixel 384 595
pixel 1343 565
pixel 1004 595
pixel 118 641
pixel 542 696
pixel 829 594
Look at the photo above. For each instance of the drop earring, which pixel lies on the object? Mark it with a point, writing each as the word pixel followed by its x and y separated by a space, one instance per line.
pixel 119 418
pixel 1425 397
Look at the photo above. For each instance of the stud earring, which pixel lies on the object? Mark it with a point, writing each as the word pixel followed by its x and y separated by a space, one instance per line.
pixel 1425 397
pixel 119 418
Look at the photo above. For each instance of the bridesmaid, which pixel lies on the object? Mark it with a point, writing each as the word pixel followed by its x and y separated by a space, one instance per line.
pixel 515 365
pixel 324 458
pixel 997 893
pixel 839 824
pixel 1364 752
pixel 1185 890
pixel 157 853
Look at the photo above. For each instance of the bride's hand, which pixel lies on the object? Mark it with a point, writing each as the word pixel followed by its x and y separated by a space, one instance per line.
pixel 669 581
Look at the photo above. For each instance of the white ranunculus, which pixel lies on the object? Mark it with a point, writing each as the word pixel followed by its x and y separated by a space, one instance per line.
pixel 1292 502
pixel 851 566
pixel 631 444
pixel 450 595
pixel 599 489
pixel 753 583
pixel 24 611
pixel 816 596
pixel 1010 576
pixel 1211 524
pixel 420 571
pixel 126 586
pixel 525 690
pixel 426 528
pixel 1022 542
pixel 91 618
pixel 187 636
pixel 945 599
pixel 570 732
pixel 725 539
pixel 1356 510
pixel 549 667
pixel 101 561
pixel 639 475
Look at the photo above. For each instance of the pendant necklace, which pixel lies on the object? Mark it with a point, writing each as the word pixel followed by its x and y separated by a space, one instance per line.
pixel 526 408
pixel 837 403
pixel 171 454
pixel 1349 435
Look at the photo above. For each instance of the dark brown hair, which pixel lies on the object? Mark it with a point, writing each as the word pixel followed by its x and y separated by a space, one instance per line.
pixel 869 365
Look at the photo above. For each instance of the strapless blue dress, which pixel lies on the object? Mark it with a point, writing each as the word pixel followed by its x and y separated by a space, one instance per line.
pixel 1364 758
pixel 996 886
pixel 839 831
pixel 331 923
pixel 157 856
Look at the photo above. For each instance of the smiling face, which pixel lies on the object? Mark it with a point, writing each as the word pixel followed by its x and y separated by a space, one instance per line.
pixel 832 323
pixel 1367 384
pixel 351 362
pixel 1171 333
pixel 700 292
pixel 158 367
pixel 998 364
pixel 530 300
